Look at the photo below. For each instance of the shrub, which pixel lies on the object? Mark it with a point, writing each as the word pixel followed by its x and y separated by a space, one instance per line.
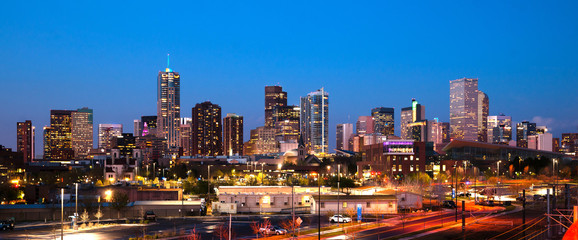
pixel 146 221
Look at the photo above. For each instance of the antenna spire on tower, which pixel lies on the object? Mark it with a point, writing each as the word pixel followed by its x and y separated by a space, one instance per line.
pixel 168 60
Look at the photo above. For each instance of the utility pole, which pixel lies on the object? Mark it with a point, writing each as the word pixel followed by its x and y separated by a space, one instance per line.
pixel 463 217
pixel 548 212
pixel 230 216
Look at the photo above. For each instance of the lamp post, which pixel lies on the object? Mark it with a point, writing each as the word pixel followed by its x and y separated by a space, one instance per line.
pixel 208 183
pixel 498 183
pixel 62 214
pixel 76 204
pixel 319 208
pixel 338 190
pixel 262 174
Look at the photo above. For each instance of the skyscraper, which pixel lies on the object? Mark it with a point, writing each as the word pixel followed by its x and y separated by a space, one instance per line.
pixel 364 125
pixel 186 133
pixel 274 97
pixel 343 134
pixel 499 129
pixel 262 141
pixel 58 137
pixel 523 130
pixel 467 105
pixel 169 107
pixel 148 125
pixel 233 134
pixel 207 129
pixel 383 120
pixel 315 121
pixel 105 134
pixel 286 122
pixel 137 128
pixel 409 115
pixel 483 112
pixel 437 132
pixel 25 140
pixel 82 132
pixel 569 144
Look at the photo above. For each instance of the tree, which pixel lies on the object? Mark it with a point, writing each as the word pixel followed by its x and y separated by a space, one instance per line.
pixel 119 201
pixel 256 226
pixel 194 235
pixel 85 217
pixel 222 232
pixel 98 215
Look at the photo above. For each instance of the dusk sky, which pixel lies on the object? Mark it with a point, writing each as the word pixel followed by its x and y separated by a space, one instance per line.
pixel 106 56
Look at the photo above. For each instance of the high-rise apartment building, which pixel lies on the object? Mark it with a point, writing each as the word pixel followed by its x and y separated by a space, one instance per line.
pixel 499 129
pixel 25 140
pixel 105 134
pixel 343 134
pixel 415 113
pixel 364 125
pixel 58 137
pixel 82 132
pixel 274 97
pixel 467 106
pixel 314 124
pixel 383 120
pixel 233 134
pixel 523 130
pixel 169 107
pixel 207 129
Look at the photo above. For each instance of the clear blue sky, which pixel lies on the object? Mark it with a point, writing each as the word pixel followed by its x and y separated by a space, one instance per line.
pixel 106 56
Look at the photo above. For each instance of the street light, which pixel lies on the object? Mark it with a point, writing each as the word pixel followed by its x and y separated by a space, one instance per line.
pixel 62 214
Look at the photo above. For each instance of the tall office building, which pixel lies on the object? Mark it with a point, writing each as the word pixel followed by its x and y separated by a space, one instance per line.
pixel 58 137
pixel 169 107
pixel 437 132
pixel 262 141
pixel 274 97
pixel 25 140
pixel 415 113
pixel 523 130
pixel 186 134
pixel 148 126
pixel 207 129
pixel 383 120
pixel 82 132
pixel 315 121
pixel 233 134
pixel 499 129
pixel 467 106
pixel 343 134
pixel 105 134
pixel 125 143
pixel 364 125
pixel 541 141
pixel 483 112
pixel 137 128
pixel 569 144
pixel 286 123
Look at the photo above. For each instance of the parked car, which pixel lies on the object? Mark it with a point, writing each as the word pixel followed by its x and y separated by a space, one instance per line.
pixel 7 224
pixel 272 230
pixel 150 215
pixel 339 219
pixel 449 204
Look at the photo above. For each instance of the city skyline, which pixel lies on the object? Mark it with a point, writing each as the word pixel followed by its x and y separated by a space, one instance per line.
pixel 355 76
